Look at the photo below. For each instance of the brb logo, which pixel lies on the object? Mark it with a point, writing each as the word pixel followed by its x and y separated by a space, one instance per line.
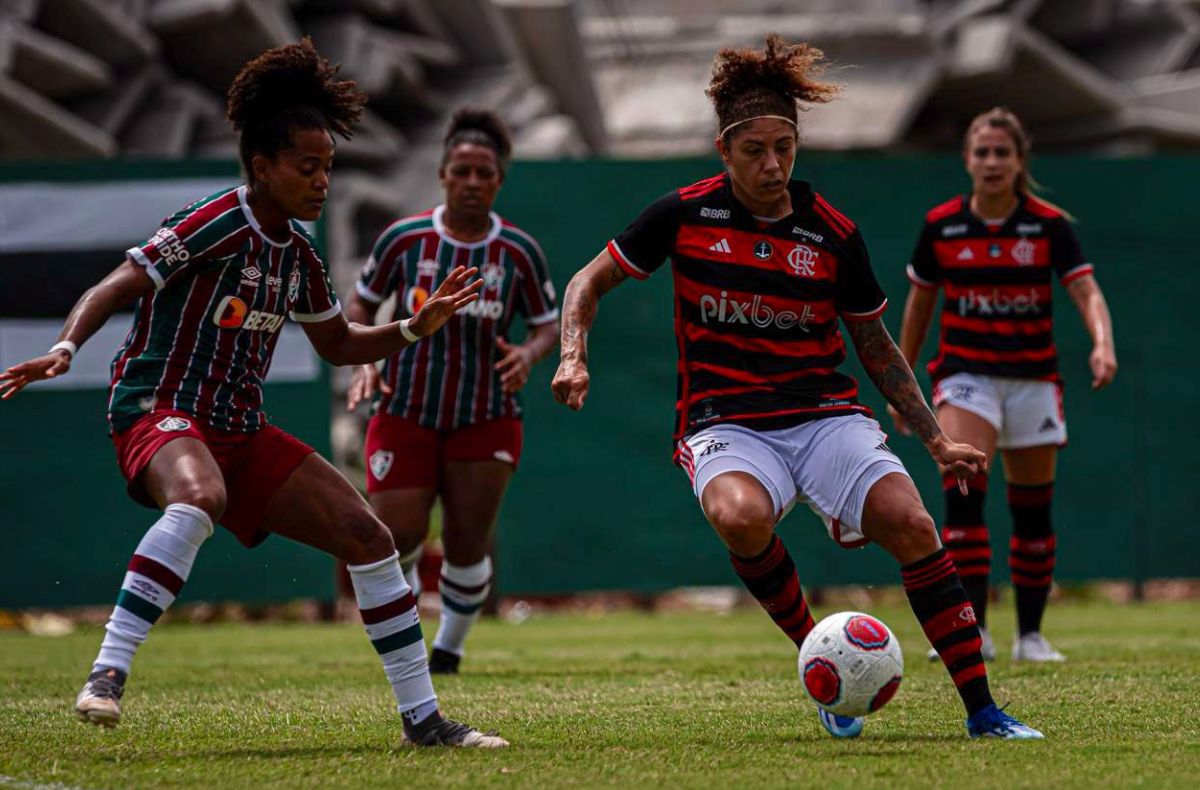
pixel 996 303
pixel 170 247
pixel 233 313
pixel 731 311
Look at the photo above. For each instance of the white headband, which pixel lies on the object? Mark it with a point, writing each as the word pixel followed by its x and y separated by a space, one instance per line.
pixel 758 118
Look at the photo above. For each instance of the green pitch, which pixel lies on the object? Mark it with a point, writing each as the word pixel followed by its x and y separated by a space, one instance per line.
pixel 666 700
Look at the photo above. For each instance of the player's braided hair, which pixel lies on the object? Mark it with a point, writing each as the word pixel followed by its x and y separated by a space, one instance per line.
pixel 1007 120
pixel 747 83
pixel 481 127
pixel 285 89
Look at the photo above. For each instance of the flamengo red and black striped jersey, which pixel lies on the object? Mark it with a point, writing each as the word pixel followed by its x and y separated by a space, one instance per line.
pixel 996 317
pixel 756 303
pixel 202 342
pixel 449 379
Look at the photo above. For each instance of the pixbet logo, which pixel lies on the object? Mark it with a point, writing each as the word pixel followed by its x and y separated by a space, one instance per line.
pixel 730 311
pixel 996 303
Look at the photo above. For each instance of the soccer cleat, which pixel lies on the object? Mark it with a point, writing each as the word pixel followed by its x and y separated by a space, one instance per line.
pixel 1034 647
pixel 992 722
pixel 840 726
pixel 99 702
pixel 987 647
pixel 443 662
pixel 437 730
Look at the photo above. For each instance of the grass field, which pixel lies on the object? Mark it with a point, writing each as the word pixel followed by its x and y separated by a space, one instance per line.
pixel 668 700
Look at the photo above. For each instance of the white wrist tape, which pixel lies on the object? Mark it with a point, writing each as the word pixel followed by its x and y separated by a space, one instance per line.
pixel 409 335
pixel 65 345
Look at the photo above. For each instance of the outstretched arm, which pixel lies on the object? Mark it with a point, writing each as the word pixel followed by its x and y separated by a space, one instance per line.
pixel 1086 294
pixel 918 314
pixel 580 303
pixel 894 378
pixel 122 286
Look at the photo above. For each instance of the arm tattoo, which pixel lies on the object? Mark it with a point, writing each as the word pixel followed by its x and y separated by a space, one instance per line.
pixel 616 275
pixel 579 308
pixel 892 376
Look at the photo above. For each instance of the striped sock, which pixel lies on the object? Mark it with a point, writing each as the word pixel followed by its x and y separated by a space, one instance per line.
pixel 771 578
pixel 965 537
pixel 389 613
pixel 154 578
pixel 938 599
pixel 464 589
pixel 1031 552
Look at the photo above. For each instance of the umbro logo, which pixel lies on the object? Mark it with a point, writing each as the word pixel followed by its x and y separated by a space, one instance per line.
pixel 251 272
pixel 966 254
pixel 1048 425
pixel 721 246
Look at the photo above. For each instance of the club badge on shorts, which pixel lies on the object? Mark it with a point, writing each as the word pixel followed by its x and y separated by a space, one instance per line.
pixel 381 463
pixel 172 424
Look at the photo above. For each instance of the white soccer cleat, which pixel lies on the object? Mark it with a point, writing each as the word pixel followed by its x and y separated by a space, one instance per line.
pixel 987 647
pixel 99 702
pixel 1034 647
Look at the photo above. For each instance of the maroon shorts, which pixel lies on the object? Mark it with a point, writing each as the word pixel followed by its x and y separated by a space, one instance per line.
pixel 254 465
pixel 402 454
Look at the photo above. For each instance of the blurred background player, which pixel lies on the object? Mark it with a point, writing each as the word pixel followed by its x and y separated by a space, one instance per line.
pixel 996 382
pixel 763 268
pixel 213 287
pixel 447 419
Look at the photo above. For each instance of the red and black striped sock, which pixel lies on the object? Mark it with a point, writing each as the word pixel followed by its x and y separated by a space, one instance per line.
pixel 938 599
pixel 965 537
pixel 1031 552
pixel 771 578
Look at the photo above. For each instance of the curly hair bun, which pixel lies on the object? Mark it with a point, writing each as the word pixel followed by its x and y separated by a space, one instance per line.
pixel 485 122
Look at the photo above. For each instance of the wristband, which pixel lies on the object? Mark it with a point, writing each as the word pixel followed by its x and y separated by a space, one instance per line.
pixel 65 345
pixel 409 335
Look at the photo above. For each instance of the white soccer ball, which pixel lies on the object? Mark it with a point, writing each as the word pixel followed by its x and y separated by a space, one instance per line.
pixel 851 664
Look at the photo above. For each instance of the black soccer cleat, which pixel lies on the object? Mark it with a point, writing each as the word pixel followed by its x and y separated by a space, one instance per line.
pixel 99 702
pixel 443 662
pixel 437 730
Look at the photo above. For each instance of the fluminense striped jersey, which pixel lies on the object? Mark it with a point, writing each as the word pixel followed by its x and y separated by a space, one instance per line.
pixel 997 315
pixel 202 342
pixel 756 303
pixel 449 379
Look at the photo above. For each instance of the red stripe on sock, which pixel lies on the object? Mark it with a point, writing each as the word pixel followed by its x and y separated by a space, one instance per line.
pixel 156 572
pixel 977 482
pixel 754 567
pixel 948 621
pixel 965 676
pixel 926 576
pixel 965 555
pixel 1045 545
pixel 1030 496
pixel 956 533
pixel 785 598
pixel 961 650
pixel 1044 567
pixel 388 610
pixel 1021 580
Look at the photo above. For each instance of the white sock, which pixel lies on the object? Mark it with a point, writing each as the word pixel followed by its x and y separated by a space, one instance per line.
pixel 464 589
pixel 389 613
pixel 156 574
pixel 408 564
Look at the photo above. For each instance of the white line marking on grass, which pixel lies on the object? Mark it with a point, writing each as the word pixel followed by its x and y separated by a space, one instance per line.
pixel 23 784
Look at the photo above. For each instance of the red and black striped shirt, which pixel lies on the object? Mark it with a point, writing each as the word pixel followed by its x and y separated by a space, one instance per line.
pixel 997 315
pixel 756 303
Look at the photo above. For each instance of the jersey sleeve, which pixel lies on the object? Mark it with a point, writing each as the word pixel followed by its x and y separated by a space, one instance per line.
pixel 1065 253
pixel 650 239
pixel 182 243
pixel 382 273
pixel 923 269
pixel 536 298
pixel 859 297
pixel 316 300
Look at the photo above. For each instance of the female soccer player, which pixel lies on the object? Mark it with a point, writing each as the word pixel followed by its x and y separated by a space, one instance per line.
pixel 996 383
pixel 212 289
pixel 763 268
pixel 447 421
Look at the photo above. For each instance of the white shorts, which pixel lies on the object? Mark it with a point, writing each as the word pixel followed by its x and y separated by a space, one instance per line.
pixel 828 464
pixel 1024 412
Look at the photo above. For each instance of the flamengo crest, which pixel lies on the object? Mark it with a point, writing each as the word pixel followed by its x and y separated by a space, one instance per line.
pixel 381 463
pixel 802 260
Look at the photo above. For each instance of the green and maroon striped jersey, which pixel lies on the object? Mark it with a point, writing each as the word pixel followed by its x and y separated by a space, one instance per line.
pixel 202 342
pixel 449 379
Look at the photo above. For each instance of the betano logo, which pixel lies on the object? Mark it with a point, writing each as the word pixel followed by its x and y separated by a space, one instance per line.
pixel 232 313
pixel 730 311
pixel 415 299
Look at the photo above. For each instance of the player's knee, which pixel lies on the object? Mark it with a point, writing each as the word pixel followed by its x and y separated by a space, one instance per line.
pixel 745 526
pixel 209 497
pixel 368 539
pixel 917 534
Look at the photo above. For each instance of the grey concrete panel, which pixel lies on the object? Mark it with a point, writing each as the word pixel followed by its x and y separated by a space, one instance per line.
pixel 167 126
pixel 478 29
pixel 113 109
pixel 1143 41
pixel 100 27
pixel 50 66
pixel 20 10
pixel 36 128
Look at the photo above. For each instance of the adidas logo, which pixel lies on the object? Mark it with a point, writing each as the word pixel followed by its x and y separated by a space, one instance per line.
pixel 721 246
pixel 966 254
pixel 1048 425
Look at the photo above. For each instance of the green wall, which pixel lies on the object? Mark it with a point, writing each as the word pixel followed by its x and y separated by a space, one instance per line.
pixel 597 503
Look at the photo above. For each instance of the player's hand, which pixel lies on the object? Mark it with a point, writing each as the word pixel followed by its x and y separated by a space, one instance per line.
pixel 514 366
pixel 47 366
pixel 452 295
pixel 961 459
pixel 364 382
pixel 570 383
pixel 1103 362
pixel 898 421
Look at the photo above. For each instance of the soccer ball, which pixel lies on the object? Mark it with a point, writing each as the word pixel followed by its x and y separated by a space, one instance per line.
pixel 851 664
